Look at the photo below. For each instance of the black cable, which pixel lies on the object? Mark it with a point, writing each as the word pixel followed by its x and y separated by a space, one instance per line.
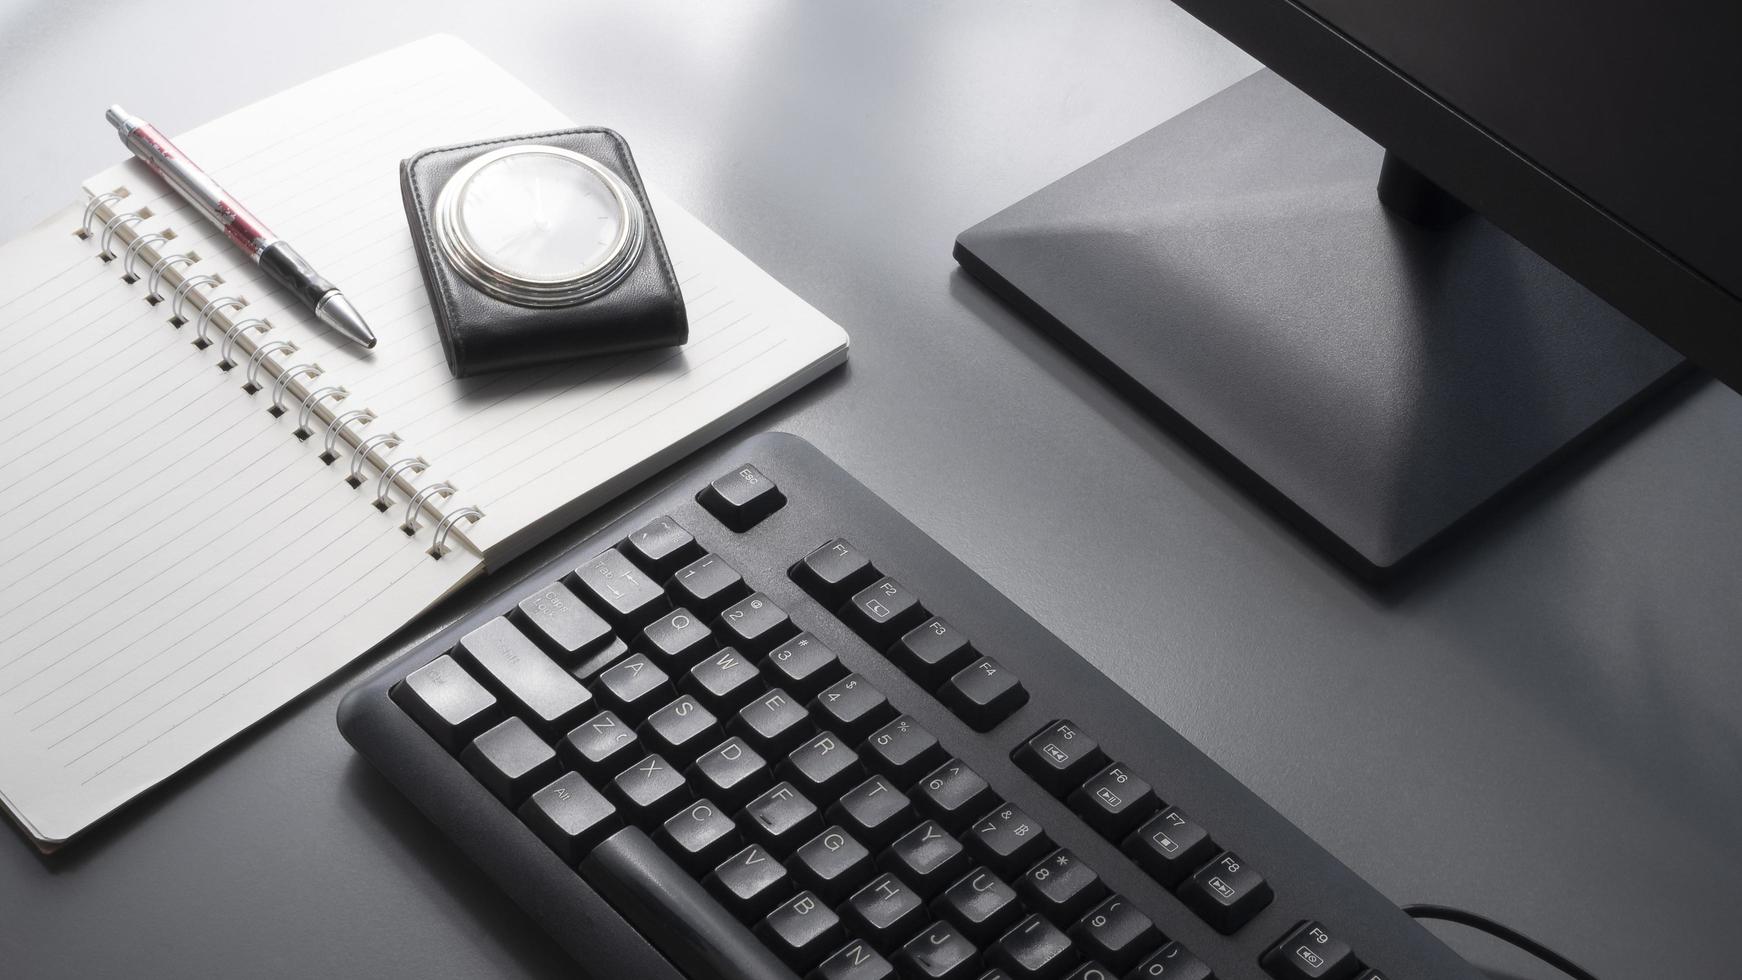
pixel 1498 931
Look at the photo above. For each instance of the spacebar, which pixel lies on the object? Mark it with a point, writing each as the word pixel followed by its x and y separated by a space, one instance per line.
pixel 674 913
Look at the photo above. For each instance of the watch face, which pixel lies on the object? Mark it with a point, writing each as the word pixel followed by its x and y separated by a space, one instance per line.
pixel 539 225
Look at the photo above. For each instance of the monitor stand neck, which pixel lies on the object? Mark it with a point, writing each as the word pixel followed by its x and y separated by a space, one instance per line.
pixel 1406 193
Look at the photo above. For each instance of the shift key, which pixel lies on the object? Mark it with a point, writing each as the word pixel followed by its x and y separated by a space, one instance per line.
pixel 548 698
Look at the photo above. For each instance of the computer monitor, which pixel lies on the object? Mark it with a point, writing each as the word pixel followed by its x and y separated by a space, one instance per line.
pixel 1551 177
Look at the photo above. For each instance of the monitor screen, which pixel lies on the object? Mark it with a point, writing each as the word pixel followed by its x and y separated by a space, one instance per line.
pixel 1636 106
pixel 1604 134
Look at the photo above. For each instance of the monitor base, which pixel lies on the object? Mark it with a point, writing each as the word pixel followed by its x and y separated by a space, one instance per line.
pixel 1376 381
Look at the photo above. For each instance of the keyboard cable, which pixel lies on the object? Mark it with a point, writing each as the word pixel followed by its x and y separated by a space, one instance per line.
pixel 1481 923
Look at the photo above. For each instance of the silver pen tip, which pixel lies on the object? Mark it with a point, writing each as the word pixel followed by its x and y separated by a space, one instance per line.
pixel 337 312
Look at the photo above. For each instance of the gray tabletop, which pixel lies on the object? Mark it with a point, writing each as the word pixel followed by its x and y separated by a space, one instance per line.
pixel 1542 726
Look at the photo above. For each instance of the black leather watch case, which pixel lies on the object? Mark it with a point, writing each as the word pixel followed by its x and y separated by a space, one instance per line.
pixel 481 333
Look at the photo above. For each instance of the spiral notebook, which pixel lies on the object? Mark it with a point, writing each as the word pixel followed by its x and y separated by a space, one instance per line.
pixel 210 502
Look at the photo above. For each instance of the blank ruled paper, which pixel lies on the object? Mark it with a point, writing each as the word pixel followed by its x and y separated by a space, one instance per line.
pixel 176 563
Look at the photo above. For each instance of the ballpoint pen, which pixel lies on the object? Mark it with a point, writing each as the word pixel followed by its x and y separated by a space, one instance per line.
pixel 269 251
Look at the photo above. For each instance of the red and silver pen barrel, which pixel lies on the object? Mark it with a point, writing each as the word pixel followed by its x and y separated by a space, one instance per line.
pixel 194 184
pixel 272 253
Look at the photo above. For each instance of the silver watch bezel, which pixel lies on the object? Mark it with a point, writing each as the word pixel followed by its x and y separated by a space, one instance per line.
pixel 582 285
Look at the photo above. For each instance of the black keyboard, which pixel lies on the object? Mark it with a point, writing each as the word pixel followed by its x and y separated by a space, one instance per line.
pixel 763 727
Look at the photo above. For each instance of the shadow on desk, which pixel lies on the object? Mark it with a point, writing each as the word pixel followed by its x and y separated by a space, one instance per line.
pixel 1625 703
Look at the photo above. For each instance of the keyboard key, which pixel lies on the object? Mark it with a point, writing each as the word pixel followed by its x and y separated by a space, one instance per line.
pixel 741 498
pixel 700 836
pixel 954 794
pixel 571 816
pixel 448 702
pixel 780 819
pixel 730 773
pixel 1172 962
pixel 834 572
pixel 1061 887
pixel 980 904
pixel 543 693
pixel 586 668
pixel 1116 933
pixel 749 883
pixel 1371 975
pixel 855 961
pixel 927 858
pixel 707 585
pixel 801 931
pixel 1060 756
pixel 903 751
pixel 823 767
pixel 983 694
pixel 511 761
pixel 660 548
pixel 625 594
pixel 1170 846
pixel 1226 893
pixel 775 723
pixel 755 625
pixel 938 952
pixel 833 864
pixel 803 666
pixel 682 730
pixel 1114 802
pixel 1034 949
pixel 1007 840
pixel 649 791
pixel 677 639
pixel 852 707
pixel 882 612
pixel 724 680
pixel 1092 970
pixel 1310 952
pixel 673 911
pixel 932 652
pixel 873 811
pixel 885 912
pixel 634 687
pixel 600 747
pixel 563 625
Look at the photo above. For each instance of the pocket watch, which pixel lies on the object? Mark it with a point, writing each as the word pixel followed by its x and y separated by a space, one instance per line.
pixel 539 225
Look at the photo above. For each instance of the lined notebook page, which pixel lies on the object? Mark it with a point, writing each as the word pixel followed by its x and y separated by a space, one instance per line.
pixel 535 449
pixel 175 564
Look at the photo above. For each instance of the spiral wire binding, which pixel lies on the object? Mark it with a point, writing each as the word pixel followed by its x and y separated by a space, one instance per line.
pixel 205 315
pixel 337 425
pixel 105 217
pixel 312 370
pixel 408 463
pixel 133 248
pixel 230 333
pixel 338 393
pixel 260 354
pixel 154 280
pixel 181 292
pixel 386 440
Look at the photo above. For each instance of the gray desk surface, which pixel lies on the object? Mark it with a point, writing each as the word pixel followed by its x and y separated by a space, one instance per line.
pixel 1543 727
